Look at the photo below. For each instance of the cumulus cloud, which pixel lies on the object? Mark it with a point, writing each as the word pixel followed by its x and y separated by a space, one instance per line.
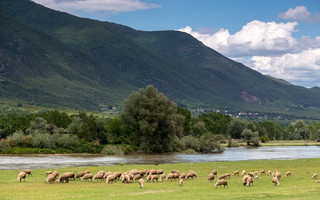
pixel 300 14
pixel 96 5
pixel 269 48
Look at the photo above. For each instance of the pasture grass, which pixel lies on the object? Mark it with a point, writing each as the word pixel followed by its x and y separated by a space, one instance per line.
pixel 298 186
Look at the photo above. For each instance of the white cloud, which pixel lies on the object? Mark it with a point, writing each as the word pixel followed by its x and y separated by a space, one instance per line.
pixel 96 5
pixel 269 48
pixel 300 14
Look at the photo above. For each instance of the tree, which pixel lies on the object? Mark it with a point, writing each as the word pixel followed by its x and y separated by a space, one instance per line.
pixel 187 120
pixel 216 123
pixel 152 120
pixel 88 128
pixel 297 130
pixel 250 137
pixel 235 128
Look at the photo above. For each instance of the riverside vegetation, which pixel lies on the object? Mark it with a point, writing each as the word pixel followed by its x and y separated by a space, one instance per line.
pixel 299 185
pixel 149 122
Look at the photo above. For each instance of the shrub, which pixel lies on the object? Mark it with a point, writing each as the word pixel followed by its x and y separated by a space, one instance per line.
pixel 264 139
pixel 209 143
pixel 189 151
pixel 178 145
pixel 4 144
pixel 68 141
pixel 43 140
pixel 191 142
pixel 233 143
pixel 16 138
pixel 88 148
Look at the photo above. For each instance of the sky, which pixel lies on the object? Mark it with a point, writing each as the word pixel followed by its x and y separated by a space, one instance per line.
pixel 280 38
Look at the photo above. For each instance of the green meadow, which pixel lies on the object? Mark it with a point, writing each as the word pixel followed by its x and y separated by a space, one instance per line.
pixel 297 186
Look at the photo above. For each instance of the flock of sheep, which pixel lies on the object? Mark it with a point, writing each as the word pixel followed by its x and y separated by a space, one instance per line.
pixel 152 175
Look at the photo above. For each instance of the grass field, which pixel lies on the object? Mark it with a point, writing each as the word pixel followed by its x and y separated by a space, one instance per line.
pixel 298 186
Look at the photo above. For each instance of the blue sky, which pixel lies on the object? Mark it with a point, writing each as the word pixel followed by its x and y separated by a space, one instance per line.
pixel 278 38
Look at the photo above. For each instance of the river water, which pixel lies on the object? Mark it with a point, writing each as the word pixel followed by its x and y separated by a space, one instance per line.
pixel 230 154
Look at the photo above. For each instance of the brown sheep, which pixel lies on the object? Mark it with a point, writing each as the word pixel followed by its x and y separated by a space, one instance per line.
pixel 51 178
pixel 214 172
pixel 314 176
pixel 111 178
pixel 172 176
pixel 236 173
pixel 107 174
pixel 149 177
pixel 27 171
pixel 151 171
pixel 275 181
pixel 193 173
pixel 244 179
pixel 134 171
pixel 154 177
pixel 175 171
pixel 210 177
pixel 86 171
pixel 125 178
pixel 141 182
pixel 159 171
pixel 22 175
pixel 87 176
pixel 142 172
pixel 277 174
pixel 228 175
pixel 99 175
pixel 251 174
pixel 48 172
pixel 243 172
pixel 137 177
pixel 262 172
pixel 65 177
pixel 183 175
pixel 221 182
pixel 288 173
pixel 222 177
pixel 162 176
pixel 79 175
pixel 249 181
pixel 269 173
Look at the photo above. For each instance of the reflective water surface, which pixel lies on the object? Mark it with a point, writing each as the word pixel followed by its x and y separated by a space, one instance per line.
pixel 230 154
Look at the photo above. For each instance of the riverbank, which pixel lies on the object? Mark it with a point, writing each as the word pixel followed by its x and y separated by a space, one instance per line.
pixel 282 143
pixel 298 186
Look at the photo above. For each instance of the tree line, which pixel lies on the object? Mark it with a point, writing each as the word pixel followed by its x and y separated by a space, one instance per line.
pixel 149 122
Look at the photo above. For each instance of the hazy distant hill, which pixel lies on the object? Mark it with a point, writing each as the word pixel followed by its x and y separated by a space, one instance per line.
pixel 55 59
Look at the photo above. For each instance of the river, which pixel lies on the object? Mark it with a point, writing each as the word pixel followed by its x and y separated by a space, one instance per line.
pixel 230 154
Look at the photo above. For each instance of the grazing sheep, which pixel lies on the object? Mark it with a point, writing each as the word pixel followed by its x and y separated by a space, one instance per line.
pixel 228 175
pixel 149 177
pixel 107 174
pixel 243 173
pixel 269 173
pixel 51 178
pixel 27 171
pixel 221 182
pixel 244 179
pixel 249 181
pixel 22 175
pixel 183 175
pixel 141 182
pixel 314 176
pixel 277 174
pixel 159 171
pixel 56 173
pixel 111 178
pixel 191 174
pixel 134 171
pixel 236 173
pixel 172 176
pixel 137 177
pixel 181 182
pixel 175 171
pixel 79 175
pixel 65 177
pixel 162 176
pixel 210 177
pixel 275 181
pixel 142 172
pixel 125 178
pixel 86 171
pixel 288 173
pixel 251 174
pixel 87 176
pixel 151 172
pixel 154 177
pixel 222 177
pixel 255 173
pixel 214 172
pixel 48 172
pixel 262 172
pixel 256 177
pixel 99 175
pixel 317 181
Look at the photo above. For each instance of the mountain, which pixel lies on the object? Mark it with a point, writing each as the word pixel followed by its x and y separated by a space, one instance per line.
pixel 54 59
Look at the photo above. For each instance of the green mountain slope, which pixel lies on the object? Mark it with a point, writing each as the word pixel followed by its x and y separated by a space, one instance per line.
pixel 54 59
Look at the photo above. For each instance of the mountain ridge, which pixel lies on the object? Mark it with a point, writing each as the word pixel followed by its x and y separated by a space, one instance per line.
pixel 53 58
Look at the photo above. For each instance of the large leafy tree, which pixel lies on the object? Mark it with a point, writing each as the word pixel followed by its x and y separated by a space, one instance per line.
pixel 152 120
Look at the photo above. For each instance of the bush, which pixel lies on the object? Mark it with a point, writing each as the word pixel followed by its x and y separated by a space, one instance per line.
pixel 233 143
pixel 264 139
pixel 89 148
pixel 189 151
pixel 178 145
pixel 112 150
pixel 43 140
pixel 16 139
pixel 191 142
pixel 209 143
pixel 4 144
pixel 68 141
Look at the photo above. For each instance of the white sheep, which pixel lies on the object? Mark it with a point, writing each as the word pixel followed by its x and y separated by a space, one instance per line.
pixel 288 173
pixel 181 182
pixel 141 182
pixel 275 181
pixel 87 176
pixel 221 182
pixel 314 176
